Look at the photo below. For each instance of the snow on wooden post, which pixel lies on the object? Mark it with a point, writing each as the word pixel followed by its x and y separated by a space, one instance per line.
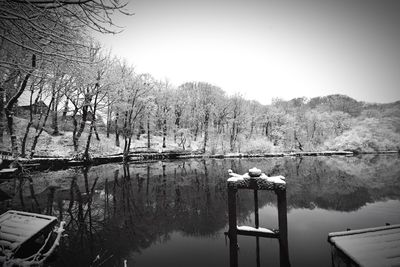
pixel 256 180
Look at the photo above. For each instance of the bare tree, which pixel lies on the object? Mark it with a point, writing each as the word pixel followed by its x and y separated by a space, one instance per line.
pixel 104 82
pixel 55 29
pixel 164 107
pixel 138 93
pixel 33 105
pixel 129 102
pixel 46 31
pixel 237 119
pixel 9 109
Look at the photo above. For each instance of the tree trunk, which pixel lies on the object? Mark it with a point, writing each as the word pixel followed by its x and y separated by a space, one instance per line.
pixel 10 114
pixel 251 127
pixel 206 119
pixel 96 133
pixel 219 127
pixel 39 132
pixel 196 131
pixel 55 117
pixel 54 106
pixel 298 141
pixel 141 128
pixel 75 123
pixel 28 126
pixel 148 131
pixel 108 128
pixel 177 123
pixel 86 155
pixel 65 111
pixel 127 147
pixel 10 125
pixel 127 144
pixel 164 132
pixel 314 129
pixel 95 127
pixel 88 100
pixel 4 96
pixel 92 126
pixel 233 136
pixel 1 114
pixel 116 130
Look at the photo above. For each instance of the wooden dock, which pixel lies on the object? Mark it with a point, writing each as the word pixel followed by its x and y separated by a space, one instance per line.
pixel 369 247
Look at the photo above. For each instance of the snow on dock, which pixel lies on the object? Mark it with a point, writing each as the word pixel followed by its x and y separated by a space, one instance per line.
pixel 370 247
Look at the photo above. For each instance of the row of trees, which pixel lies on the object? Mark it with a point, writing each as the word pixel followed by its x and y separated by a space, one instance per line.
pixel 128 106
pixel 199 113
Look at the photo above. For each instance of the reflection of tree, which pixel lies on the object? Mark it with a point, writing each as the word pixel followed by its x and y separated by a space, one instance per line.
pixel 344 184
pixel 187 199
pixel 114 210
pixel 344 202
pixel 82 221
pixel 30 202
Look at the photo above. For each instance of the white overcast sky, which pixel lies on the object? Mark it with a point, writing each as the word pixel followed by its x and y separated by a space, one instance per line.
pixel 268 48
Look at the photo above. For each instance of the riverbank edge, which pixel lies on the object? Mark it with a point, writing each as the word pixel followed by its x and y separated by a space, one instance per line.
pixel 54 163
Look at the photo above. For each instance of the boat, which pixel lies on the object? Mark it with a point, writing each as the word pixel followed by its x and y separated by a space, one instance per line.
pixel 28 238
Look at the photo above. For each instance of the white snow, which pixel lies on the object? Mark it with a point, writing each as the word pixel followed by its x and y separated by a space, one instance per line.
pixel 260 229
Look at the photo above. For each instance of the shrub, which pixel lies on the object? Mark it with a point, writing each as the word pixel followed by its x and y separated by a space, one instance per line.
pixel 258 146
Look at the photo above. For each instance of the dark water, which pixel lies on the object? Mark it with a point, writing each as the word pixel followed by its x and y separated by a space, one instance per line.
pixel 175 213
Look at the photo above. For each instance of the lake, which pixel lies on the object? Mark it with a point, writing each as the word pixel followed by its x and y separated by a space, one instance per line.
pixel 174 213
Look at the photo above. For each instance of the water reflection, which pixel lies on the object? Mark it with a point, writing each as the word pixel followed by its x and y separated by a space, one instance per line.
pixel 114 212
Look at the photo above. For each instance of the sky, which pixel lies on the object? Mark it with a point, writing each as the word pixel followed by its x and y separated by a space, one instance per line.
pixel 266 49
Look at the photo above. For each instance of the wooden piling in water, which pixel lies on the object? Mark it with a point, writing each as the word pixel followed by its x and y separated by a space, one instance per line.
pixel 256 181
pixel 232 233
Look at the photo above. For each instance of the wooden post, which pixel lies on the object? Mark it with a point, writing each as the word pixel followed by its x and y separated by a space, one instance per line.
pixel 256 218
pixel 283 233
pixel 256 180
pixel 233 246
pixel 257 224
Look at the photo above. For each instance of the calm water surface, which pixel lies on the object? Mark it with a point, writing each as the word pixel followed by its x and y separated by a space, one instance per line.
pixel 175 213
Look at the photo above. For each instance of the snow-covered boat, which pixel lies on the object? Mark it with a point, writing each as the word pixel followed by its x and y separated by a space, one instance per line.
pixel 28 238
